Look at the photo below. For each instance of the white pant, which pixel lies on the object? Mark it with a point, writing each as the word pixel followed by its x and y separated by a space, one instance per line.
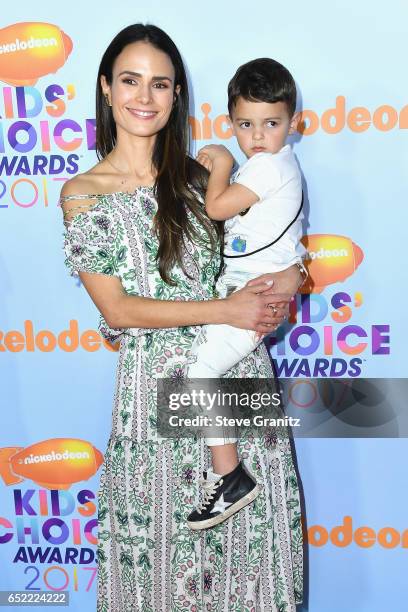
pixel 217 348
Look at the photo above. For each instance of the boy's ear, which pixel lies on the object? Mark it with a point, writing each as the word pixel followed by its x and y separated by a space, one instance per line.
pixel 294 122
pixel 230 124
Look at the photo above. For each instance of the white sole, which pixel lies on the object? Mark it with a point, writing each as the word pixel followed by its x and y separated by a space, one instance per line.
pixel 244 501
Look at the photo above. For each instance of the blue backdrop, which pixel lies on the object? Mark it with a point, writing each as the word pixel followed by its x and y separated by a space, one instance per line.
pixel 56 373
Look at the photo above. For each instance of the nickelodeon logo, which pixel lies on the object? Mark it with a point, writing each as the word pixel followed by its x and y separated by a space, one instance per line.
pixel 31 50
pixel 364 537
pixel 46 341
pixel 332 121
pixel 330 259
pixel 357 119
pixel 53 464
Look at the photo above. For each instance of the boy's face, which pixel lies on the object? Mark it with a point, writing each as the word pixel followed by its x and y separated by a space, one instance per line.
pixel 261 126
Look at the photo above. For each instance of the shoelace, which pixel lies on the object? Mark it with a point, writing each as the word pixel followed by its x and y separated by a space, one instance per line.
pixel 209 487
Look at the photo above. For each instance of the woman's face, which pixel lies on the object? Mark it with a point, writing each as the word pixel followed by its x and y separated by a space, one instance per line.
pixel 142 91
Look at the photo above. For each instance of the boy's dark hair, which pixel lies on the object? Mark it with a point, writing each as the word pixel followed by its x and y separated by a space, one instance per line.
pixel 263 80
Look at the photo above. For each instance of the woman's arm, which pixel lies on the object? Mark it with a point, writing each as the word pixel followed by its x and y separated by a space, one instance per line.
pixel 246 308
pixel 288 281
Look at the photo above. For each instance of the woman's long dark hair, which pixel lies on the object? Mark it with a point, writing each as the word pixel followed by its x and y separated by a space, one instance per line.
pixel 178 175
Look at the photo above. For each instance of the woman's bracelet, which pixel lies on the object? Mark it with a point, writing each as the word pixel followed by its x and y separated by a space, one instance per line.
pixel 303 271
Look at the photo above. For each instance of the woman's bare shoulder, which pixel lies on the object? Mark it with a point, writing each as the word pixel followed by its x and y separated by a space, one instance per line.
pixel 91 182
pixel 79 194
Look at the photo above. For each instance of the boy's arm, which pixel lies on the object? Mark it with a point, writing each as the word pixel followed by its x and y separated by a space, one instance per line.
pixel 222 200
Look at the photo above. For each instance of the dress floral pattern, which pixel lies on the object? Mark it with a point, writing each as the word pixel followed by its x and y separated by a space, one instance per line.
pixel 148 559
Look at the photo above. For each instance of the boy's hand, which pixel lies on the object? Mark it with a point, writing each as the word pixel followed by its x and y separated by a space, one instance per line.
pixel 211 154
pixel 204 160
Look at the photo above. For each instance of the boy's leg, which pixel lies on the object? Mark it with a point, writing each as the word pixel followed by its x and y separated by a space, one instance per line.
pixel 224 455
pixel 217 348
pixel 227 486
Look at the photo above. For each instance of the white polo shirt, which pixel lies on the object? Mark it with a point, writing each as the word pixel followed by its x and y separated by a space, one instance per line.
pixel 275 179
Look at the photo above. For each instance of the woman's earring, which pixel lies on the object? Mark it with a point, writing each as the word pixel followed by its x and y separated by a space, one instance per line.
pixel 107 100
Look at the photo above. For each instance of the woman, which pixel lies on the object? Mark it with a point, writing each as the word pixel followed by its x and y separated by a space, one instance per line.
pixel 147 255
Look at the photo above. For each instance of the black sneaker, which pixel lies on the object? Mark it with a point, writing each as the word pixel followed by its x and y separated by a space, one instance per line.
pixel 223 496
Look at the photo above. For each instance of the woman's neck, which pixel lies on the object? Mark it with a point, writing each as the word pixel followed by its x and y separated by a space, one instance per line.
pixel 132 156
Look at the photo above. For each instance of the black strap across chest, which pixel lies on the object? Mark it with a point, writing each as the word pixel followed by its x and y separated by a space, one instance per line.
pixel 273 241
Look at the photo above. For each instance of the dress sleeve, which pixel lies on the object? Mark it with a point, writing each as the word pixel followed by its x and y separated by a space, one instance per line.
pixel 91 244
pixel 90 238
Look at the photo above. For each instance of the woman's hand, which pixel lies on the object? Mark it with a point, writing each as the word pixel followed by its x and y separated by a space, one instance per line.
pixel 256 308
pixel 287 281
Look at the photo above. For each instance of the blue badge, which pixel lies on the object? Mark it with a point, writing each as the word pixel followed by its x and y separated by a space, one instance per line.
pixel 238 244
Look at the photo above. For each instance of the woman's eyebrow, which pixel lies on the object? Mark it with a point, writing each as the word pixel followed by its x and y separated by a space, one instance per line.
pixel 137 74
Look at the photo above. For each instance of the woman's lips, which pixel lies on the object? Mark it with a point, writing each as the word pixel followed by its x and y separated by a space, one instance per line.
pixel 142 114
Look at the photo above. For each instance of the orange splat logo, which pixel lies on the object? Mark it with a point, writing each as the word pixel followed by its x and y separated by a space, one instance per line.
pixel 31 50
pixel 331 259
pixel 54 464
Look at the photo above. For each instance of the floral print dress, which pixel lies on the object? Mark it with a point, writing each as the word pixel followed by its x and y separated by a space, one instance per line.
pixel 148 558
